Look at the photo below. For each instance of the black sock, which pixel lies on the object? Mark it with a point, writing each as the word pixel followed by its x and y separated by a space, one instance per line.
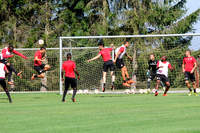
pixel 195 90
pixel 35 76
pixel 9 97
pixel 74 93
pixel 190 89
pixel 104 85
pixel 124 81
pixel 64 94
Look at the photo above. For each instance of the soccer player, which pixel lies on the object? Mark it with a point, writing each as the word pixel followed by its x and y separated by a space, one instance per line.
pixel 38 65
pixel 3 71
pixel 120 52
pixel 69 67
pixel 162 74
pixel 189 65
pixel 108 63
pixel 151 73
pixel 9 52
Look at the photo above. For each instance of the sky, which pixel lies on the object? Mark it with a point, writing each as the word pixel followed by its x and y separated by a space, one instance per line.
pixel 193 5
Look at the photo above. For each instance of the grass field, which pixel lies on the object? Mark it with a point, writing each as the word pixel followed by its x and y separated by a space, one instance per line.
pixel 45 113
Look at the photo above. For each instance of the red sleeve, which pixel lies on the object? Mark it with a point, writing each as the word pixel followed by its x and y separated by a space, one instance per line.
pixel 20 54
pixel 110 49
pixel 5 68
pixel 170 66
pixel 99 52
pixel 157 64
pixel 4 54
pixel 121 49
pixel 194 60
pixel 183 60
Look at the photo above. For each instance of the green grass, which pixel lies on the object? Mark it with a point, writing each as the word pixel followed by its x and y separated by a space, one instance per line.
pixel 45 113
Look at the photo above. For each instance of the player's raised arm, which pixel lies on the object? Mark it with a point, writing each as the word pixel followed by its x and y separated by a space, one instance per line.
pixel 96 57
pixel 19 54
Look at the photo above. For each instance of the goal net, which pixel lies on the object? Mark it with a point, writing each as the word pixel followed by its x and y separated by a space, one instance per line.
pixel 141 46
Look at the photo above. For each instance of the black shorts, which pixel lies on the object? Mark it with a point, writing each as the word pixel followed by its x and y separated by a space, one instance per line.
pixel 40 68
pixel 108 65
pixel 162 78
pixel 189 76
pixel 120 63
pixel 70 81
pixel 152 75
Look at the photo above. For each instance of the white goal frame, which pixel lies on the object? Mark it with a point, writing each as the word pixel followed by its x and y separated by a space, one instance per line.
pixel 117 36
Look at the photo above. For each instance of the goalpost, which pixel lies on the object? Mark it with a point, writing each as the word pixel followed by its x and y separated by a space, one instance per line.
pixel 152 43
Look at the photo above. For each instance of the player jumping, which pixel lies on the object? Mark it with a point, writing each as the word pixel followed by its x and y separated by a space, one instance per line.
pixel 108 63
pixel 189 65
pixel 69 67
pixel 9 52
pixel 151 73
pixel 38 65
pixel 162 74
pixel 120 52
pixel 3 71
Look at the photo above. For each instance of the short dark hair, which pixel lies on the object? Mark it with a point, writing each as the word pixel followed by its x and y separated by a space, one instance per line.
pixel 188 51
pixel 10 47
pixel 69 55
pixel 100 43
pixel 125 42
pixel 41 48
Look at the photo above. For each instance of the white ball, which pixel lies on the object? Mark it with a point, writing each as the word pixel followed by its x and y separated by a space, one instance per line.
pixel 41 42
pixel 80 92
pixel 70 92
pixel 153 90
pixel 96 91
pixel 145 91
pixel 127 91
pixel 85 92
pixel 132 91
pixel 141 91
pixel 198 90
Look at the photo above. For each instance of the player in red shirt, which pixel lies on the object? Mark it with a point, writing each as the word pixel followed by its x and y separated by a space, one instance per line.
pixel 38 64
pixel 108 63
pixel 69 67
pixel 9 52
pixel 3 71
pixel 189 65
pixel 120 52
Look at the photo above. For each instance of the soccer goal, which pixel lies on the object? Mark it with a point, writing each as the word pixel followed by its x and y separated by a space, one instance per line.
pixel 141 46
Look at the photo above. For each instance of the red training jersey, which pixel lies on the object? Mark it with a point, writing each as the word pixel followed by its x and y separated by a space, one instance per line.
pixel 7 54
pixel 68 67
pixel 105 53
pixel 189 63
pixel 39 55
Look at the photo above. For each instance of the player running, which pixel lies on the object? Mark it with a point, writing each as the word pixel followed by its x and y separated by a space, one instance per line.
pixel 189 65
pixel 9 52
pixel 3 71
pixel 120 52
pixel 108 63
pixel 69 67
pixel 38 64
pixel 152 70
pixel 162 74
